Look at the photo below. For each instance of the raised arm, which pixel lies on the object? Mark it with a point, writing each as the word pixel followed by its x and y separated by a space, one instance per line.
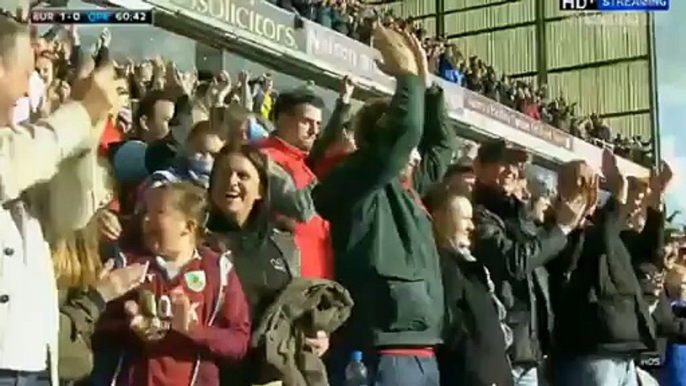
pixel 62 135
pixel 514 255
pixel 435 146
pixel 335 126
pixel 385 148
pixel 374 165
pixel 72 129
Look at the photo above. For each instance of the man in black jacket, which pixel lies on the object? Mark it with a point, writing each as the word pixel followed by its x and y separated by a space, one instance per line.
pixel 603 320
pixel 514 250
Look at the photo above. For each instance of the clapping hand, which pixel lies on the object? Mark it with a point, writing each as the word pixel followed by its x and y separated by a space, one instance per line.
pixel 105 38
pixel 659 181
pixel 147 328
pixel 615 180
pixel 184 313
pixel 578 194
pixel 113 283
pixel 347 89
pixel 401 53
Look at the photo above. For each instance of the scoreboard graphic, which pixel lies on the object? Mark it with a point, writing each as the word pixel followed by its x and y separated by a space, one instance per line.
pixel 91 16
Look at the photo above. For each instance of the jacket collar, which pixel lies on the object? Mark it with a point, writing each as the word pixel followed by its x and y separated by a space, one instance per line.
pixel 458 254
pixel 275 142
pixel 496 201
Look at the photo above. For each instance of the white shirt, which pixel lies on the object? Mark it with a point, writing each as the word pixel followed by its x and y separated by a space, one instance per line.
pixel 30 155
pixel 29 318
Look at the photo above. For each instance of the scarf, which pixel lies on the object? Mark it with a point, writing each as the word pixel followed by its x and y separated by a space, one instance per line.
pixel 466 254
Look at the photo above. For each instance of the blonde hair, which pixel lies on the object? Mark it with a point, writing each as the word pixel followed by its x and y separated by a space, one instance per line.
pixel 189 200
pixel 76 258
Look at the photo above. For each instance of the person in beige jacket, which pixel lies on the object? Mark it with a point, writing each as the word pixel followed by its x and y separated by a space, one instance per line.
pixel 47 179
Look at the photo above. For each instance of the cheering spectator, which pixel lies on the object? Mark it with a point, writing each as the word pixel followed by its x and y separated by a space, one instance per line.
pixel 85 286
pixel 152 117
pixel 542 194
pixel 377 210
pixel 195 163
pixel 266 259
pixel 191 314
pixel 474 351
pixel 264 96
pixel 337 140
pixel 601 327
pixel 28 299
pixel 515 258
pixel 460 177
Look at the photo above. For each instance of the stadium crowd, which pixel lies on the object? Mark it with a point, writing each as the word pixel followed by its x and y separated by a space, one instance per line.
pixel 355 19
pixel 160 228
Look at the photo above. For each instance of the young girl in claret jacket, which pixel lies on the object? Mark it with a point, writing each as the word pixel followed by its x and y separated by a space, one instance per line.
pixel 190 314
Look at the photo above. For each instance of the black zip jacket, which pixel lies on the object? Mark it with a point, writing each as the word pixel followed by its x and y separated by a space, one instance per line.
pixel 515 250
pixel 601 308
pixel 473 353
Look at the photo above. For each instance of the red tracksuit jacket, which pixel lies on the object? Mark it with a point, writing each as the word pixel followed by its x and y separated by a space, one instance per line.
pixel 312 237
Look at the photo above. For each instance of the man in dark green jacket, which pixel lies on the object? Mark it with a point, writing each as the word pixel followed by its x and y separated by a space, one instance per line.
pixel 384 248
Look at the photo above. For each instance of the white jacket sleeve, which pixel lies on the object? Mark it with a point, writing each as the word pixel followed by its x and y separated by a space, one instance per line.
pixel 31 154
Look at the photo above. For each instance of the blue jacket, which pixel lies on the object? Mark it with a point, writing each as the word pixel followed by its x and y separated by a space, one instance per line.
pixel 675 356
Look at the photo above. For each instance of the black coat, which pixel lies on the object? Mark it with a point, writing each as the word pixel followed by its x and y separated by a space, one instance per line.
pixel 474 353
pixel 515 250
pixel 601 308
pixel 671 328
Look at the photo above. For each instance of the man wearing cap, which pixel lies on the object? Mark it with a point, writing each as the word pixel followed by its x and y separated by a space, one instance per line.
pixel 515 250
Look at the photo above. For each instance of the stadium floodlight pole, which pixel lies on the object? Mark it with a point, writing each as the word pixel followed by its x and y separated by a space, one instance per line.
pixel 654 100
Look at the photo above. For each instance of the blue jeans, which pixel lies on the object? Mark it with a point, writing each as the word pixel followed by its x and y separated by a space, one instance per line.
pixel 22 378
pixel 597 371
pixel 525 376
pixel 406 370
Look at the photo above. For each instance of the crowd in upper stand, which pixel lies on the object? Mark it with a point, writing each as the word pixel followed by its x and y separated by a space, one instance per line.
pixel 355 19
pixel 161 227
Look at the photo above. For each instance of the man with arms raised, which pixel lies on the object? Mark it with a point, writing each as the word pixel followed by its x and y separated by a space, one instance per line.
pixel 385 250
pixel 29 156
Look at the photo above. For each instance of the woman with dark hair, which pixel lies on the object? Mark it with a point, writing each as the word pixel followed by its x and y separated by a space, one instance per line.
pixel 265 258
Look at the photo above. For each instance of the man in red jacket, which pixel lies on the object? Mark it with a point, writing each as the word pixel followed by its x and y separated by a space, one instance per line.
pixel 298 115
